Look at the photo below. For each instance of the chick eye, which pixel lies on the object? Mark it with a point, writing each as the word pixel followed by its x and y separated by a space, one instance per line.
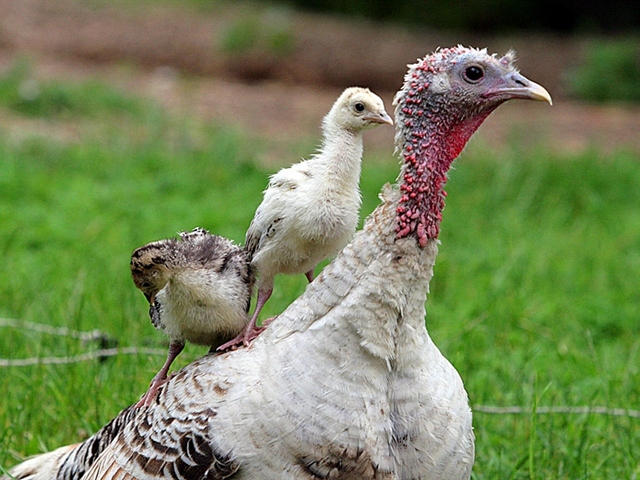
pixel 473 74
pixel 359 107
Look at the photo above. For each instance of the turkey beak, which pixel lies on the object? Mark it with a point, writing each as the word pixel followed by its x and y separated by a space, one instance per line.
pixel 150 298
pixel 519 86
pixel 381 117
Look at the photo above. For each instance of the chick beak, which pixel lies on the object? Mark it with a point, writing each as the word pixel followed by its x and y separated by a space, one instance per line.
pixel 380 117
pixel 150 298
pixel 519 86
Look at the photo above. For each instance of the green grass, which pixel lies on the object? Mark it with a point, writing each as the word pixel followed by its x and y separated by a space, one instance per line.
pixel 22 93
pixel 265 30
pixel 534 298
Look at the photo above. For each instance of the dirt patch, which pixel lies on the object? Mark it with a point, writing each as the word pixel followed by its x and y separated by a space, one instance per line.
pixel 319 50
pixel 178 60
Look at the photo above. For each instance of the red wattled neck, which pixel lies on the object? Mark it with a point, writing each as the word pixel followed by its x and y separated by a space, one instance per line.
pixel 432 137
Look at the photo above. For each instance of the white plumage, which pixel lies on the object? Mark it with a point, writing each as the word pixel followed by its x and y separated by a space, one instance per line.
pixel 199 290
pixel 346 383
pixel 310 210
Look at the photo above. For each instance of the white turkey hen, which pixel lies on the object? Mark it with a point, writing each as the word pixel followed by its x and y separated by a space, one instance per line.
pixel 346 383
pixel 310 210
pixel 199 290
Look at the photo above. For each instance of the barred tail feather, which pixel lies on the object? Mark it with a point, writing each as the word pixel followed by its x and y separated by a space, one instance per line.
pixel 40 467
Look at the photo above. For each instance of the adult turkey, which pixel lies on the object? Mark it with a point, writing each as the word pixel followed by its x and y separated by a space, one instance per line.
pixel 346 383
pixel 199 290
pixel 310 210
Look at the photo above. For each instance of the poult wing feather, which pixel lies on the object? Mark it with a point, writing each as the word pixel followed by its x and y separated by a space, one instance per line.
pixel 290 178
pixel 269 214
pixel 287 188
pixel 262 226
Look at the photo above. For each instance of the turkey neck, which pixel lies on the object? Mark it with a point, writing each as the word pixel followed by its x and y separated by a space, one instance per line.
pixel 430 135
pixel 341 159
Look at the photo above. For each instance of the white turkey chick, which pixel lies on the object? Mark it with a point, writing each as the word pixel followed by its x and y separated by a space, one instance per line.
pixel 199 290
pixel 310 210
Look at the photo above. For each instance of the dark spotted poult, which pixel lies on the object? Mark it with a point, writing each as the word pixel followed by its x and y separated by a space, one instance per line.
pixel 198 288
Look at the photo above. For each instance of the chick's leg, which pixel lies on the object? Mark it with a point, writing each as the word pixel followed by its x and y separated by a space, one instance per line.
pixel 251 330
pixel 309 275
pixel 162 376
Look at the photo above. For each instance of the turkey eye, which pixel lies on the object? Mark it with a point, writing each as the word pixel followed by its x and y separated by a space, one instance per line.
pixel 359 107
pixel 473 74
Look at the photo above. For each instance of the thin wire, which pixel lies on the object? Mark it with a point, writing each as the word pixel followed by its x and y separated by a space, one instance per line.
pixel 615 412
pixel 111 352
pixel 48 329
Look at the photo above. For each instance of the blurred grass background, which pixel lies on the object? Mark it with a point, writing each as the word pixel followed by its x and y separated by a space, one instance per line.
pixel 534 298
